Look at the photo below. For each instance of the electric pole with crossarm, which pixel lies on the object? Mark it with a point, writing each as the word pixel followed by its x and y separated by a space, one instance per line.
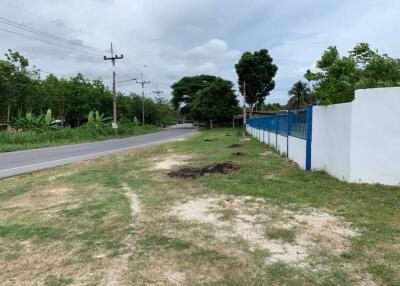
pixel 113 58
pixel 158 93
pixel 158 97
pixel 142 82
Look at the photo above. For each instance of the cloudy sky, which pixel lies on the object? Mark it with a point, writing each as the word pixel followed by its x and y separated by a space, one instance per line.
pixel 168 39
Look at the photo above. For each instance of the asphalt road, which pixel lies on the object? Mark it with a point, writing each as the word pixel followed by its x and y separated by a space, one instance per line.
pixel 21 162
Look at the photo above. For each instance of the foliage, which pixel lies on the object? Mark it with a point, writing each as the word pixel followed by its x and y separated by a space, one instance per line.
pixel 186 89
pixel 338 77
pixel 70 99
pixel 272 107
pixel 41 123
pixel 31 139
pixel 215 103
pixel 135 121
pixel 96 121
pixel 300 95
pixel 258 71
pixel 16 81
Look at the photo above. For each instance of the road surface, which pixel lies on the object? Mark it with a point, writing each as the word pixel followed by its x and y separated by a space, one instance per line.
pixel 21 162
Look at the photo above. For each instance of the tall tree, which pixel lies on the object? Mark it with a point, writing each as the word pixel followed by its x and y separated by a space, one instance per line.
pixel 15 80
pixel 215 103
pixel 185 91
pixel 258 71
pixel 338 77
pixel 300 95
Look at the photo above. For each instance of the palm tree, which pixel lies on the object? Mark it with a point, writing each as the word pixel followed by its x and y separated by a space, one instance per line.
pixel 300 95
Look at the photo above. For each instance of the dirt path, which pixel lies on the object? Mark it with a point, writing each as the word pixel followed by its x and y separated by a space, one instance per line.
pixel 115 273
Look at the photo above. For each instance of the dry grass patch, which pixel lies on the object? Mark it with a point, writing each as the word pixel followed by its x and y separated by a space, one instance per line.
pixel 173 160
pixel 288 236
pixel 47 199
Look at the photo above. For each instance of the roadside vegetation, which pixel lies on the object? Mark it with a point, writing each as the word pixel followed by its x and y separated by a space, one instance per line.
pixel 14 141
pixel 124 220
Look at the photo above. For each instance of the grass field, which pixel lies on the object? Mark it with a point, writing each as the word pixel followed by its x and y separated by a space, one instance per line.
pixel 122 220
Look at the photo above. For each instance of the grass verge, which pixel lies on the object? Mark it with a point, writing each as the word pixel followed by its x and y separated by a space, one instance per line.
pixel 74 225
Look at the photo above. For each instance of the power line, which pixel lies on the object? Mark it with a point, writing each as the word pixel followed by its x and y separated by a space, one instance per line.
pixel 50 36
pixel 44 19
pixel 54 73
pixel 37 39
pixel 45 34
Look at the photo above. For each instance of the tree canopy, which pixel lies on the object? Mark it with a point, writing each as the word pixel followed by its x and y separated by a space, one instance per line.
pixel 338 77
pixel 300 96
pixel 215 103
pixel 185 90
pixel 258 71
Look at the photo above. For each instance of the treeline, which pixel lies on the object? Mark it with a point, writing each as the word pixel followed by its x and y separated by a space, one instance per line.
pixel 71 99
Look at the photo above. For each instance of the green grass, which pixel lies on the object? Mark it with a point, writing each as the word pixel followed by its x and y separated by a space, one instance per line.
pixel 94 219
pixel 28 140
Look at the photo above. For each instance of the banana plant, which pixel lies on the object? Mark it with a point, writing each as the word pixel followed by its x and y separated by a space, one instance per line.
pixel 97 121
pixel 41 123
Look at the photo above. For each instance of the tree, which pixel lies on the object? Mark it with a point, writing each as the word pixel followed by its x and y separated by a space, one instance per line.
pixel 272 107
pixel 258 71
pixel 15 79
pixel 338 77
pixel 300 95
pixel 185 90
pixel 215 103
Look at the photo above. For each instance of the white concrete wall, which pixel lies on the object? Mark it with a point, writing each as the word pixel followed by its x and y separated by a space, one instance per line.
pixel 357 141
pixel 282 144
pixel 297 146
pixel 297 151
pixel 331 139
pixel 360 141
pixel 375 136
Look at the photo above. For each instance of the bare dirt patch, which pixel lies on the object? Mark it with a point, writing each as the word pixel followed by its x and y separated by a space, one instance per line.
pixel 171 162
pixel 250 220
pixel 193 173
pixel 267 153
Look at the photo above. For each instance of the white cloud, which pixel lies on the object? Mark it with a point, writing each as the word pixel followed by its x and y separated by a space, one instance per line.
pixel 213 49
pixel 206 68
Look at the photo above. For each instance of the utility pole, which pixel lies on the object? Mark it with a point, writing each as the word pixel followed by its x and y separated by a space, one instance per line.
pixel 244 105
pixel 158 96
pixel 158 93
pixel 113 58
pixel 142 82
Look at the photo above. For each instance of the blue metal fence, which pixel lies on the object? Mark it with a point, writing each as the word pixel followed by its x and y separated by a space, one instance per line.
pixel 294 123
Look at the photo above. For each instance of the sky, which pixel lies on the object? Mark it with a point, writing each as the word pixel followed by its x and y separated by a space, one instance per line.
pixel 169 39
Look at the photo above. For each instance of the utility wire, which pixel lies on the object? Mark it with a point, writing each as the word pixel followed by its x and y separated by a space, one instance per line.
pixel 37 39
pixel 50 36
pixel 43 19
